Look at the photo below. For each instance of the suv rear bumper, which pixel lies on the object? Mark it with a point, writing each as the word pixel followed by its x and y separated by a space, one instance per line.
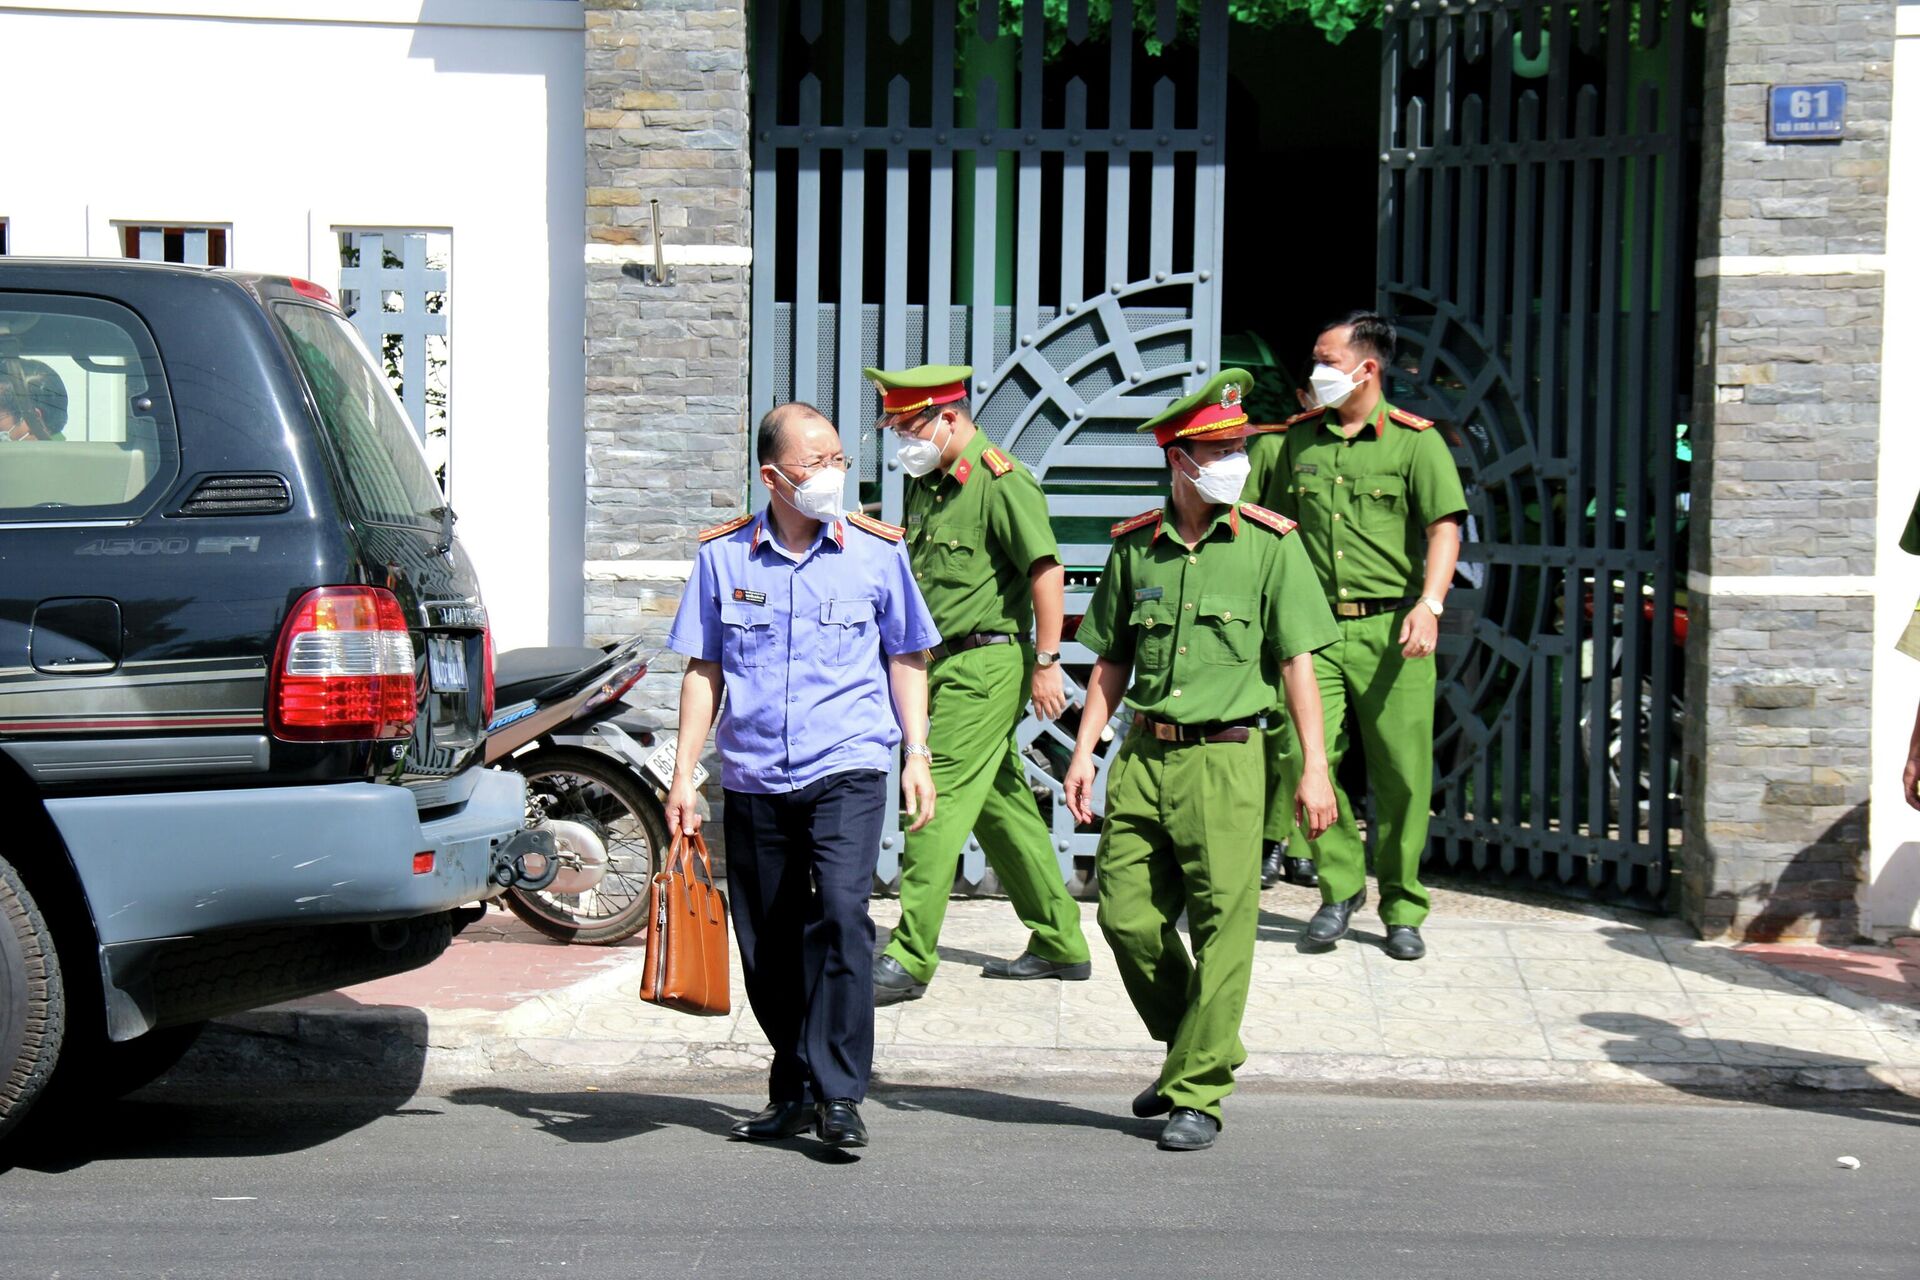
pixel 168 865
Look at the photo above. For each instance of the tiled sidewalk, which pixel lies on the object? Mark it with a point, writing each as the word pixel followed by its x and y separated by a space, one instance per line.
pixel 1530 994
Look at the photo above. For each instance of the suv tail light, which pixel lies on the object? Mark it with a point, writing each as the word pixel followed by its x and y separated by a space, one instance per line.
pixel 343 668
pixel 486 689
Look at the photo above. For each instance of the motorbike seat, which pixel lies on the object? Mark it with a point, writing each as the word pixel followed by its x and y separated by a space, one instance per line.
pixel 519 674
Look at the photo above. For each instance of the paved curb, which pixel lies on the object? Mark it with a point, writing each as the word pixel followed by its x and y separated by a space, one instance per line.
pixel 1896 1017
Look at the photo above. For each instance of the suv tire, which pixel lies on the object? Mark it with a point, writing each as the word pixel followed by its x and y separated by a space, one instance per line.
pixel 33 1004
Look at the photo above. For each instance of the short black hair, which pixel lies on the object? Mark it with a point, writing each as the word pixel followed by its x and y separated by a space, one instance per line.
pixel 1372 332
pixel 772 432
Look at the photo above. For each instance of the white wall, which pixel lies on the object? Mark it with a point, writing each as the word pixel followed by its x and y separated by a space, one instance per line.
pixel 285 119
pixel 1893 898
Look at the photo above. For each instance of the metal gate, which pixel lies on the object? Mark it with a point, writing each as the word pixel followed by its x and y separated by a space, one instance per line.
pixel 1042 203
pixel 1536 238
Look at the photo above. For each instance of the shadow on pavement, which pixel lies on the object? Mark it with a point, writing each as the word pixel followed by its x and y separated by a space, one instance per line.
pixel 596 1116
pixel 1656 1041
pixel 322 1087
pixel 1009 1108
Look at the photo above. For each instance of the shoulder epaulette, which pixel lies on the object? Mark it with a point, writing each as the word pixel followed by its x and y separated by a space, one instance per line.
pixel 1272 519
pixel 722 530
pixel 997 462
pixel 1302 416
pixel 1411 421
pixel 1131 523
pixel 878 528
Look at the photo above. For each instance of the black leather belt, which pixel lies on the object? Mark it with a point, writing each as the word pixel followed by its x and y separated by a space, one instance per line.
pixel 1370 608
pixel 1212 731
pixel 978 640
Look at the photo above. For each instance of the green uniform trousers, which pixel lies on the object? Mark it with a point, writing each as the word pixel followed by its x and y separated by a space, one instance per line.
pixel 1283 779
pixel 1392 699
pixel 974 702
pixel 1182 833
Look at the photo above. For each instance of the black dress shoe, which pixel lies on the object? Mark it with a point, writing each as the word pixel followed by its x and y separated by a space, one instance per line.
pixel 1273 866
pixel 840 1124
pixel 778 1120
pixel 1189 1130
pixel 1329 923
pixel 1027 966
pixel 1151 1102
pixel 1403 942
pixel 892 983
pixel 1302 872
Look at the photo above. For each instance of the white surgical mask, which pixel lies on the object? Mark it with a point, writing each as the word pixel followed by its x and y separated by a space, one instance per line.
pixel 818 497
pixel 1222 479
pixel 919 457
pixel 1330 386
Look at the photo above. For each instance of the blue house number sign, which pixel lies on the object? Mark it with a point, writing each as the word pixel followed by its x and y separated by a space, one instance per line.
pixel 1806 112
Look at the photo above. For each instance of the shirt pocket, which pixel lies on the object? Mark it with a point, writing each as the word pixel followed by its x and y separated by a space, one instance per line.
pixel 952 554
pixel 747 636
pixel 847 631
pixel 1223 634
pixel 1382 503
pixel 1152 624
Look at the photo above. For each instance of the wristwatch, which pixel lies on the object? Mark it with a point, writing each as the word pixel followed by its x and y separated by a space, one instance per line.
pixel 1045 659
pixel 1433 604
pixel 919 749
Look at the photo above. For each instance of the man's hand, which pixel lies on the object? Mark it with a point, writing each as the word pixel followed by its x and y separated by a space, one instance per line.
pixel 1049 692
pixel 1314 805
pixel 1910 778
pixel 683 808
pixel 916 791
pixel 1079 785
pixel 1419 633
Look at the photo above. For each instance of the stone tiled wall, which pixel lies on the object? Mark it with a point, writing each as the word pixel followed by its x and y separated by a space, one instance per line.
pixel 666 119
pixel 1787 406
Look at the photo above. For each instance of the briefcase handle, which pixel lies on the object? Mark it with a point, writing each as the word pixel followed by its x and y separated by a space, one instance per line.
pixel 688 855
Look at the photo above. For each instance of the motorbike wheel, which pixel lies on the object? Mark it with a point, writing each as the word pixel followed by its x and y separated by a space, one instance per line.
pixel 591 788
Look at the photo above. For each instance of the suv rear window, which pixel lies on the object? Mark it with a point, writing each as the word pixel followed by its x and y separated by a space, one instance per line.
pixel 86 432
pixel 386 468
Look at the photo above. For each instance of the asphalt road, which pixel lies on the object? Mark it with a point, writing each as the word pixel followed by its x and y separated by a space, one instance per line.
pixel 547 1180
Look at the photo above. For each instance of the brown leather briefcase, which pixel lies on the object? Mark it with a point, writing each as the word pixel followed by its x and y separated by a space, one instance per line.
pixel 687 938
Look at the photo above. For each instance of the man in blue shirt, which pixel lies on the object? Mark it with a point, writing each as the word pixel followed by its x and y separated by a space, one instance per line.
pixel 809 620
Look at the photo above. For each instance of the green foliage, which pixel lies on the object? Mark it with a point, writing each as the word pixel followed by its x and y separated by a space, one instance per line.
pixel 1337 18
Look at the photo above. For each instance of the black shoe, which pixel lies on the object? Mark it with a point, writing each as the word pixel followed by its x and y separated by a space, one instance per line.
pixel 1189 1130
pixel 1273 867
pixel 1151 1102
pixel 840 1124
pixel 892 983
pixel 1027 966
pixel 1329 923
pixel 1302 872
pixel 1403 942
pixel 778 1120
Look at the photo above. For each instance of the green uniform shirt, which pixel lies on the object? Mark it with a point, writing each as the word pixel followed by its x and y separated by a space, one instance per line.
pixel 1910 539
pixel 972 536
pixel 1206 630
pixel 1363 504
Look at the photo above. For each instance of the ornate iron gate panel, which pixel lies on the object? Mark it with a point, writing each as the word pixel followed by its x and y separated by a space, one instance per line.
pixel 1536 246
pixel 1043 204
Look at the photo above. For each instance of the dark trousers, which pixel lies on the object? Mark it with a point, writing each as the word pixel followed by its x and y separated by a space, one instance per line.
pixel 799 871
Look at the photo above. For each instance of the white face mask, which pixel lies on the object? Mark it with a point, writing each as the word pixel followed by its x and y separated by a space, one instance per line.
pixel 1222 479
pixel 1330 386
pixel 818 497
pixel 920 457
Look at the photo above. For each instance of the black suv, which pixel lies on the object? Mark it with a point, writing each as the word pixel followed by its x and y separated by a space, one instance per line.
pixel 244 668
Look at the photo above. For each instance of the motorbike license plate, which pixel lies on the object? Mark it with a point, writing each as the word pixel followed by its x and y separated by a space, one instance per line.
pixel 660 765
pixel 447 664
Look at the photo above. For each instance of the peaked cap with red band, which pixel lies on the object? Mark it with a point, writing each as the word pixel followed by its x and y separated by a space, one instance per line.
pixel 1214 412
pixel 910 391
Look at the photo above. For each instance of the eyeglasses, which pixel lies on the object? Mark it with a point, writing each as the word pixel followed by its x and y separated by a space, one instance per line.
pixel 807 466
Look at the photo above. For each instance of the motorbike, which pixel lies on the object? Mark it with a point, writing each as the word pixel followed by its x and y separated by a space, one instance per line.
pixel 596 785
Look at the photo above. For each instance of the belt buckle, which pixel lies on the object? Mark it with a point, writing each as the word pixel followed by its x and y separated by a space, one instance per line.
pixel 1166 732
pixel 1349 610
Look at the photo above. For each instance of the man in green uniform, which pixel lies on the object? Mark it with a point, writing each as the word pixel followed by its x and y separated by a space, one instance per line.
pixel 984 555
pixel 1211 606
pixel 1379 503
